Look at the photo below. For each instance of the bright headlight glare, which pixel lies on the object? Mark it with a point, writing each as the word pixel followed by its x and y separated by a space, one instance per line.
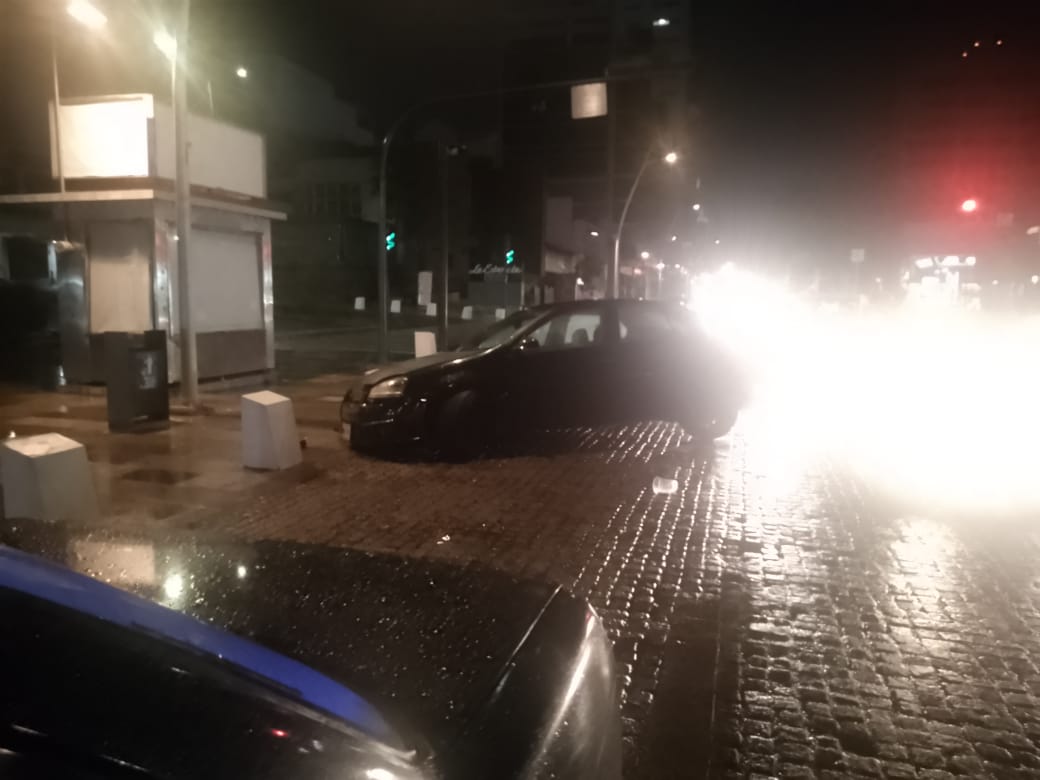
pixel 389 388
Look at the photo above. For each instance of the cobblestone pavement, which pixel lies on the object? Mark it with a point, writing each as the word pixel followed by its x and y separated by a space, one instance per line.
pixel 771 618
pixel 774 616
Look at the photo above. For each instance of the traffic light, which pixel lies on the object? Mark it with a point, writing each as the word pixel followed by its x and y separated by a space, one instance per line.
pixel 391 241
pixel 510 257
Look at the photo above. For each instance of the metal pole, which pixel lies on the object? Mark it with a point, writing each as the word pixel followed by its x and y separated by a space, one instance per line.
pixel 179 68
pixel 383 335
pixel 56 94
pixel 624 212
pixel 612 269
pixel 445 249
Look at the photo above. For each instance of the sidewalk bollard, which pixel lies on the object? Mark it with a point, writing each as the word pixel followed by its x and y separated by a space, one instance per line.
pixel 269 438
pixel 359 303
pixel 467 312
pixel 47 477
pixel 395 306
pixel 431 310
pixel 425 343
pixel 500 314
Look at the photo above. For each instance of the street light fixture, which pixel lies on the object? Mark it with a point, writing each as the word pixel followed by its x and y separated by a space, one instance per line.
pixel 165 43
pixel 178 56
pixel 671 158
pixel 86 14
pixel 594 233
pixel 241 72
pixel 696 206
pixel 645 255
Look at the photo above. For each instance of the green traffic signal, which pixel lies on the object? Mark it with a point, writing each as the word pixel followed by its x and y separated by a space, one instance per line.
pixel 391 241
pixel 510 257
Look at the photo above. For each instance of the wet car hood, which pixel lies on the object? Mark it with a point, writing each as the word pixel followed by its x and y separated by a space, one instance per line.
pixel 424 641
pixel 408 366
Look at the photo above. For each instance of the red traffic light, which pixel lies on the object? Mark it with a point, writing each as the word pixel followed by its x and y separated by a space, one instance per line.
pixel 969 205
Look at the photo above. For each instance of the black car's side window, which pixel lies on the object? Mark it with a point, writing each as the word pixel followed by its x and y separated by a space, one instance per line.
pixel 638 323
pixel 575 329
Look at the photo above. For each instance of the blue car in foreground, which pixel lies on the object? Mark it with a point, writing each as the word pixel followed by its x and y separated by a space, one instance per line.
pixel 284 660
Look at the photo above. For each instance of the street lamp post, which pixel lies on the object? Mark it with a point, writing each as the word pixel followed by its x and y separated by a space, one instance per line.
pixel 189 364
pixel 671 158
pixel 175 47
pixel 56 95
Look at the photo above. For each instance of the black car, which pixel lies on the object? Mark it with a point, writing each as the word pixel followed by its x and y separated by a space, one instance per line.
pixel 276 660
pixel 571 364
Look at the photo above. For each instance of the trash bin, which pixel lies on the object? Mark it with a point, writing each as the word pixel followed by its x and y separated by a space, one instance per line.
pixel 135 373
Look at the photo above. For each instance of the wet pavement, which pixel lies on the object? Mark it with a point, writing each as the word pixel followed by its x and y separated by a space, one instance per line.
pixel 777 615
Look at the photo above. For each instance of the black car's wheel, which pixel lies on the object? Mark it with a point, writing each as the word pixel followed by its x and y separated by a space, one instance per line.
pixel 460 429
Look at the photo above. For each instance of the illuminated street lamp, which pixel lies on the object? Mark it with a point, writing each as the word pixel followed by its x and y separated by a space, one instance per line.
pixel 969 206
pixel 696 207
pixel 670 158
pixel 242 72
pixel 86 14
pixel 165 43
pixel 645 255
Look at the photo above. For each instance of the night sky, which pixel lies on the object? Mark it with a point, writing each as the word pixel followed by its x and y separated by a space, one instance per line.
pixel 800 102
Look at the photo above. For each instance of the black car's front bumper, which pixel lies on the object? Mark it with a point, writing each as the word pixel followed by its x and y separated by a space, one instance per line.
pixel 384 423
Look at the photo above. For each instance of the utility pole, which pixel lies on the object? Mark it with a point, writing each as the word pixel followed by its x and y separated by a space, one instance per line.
pixel 56 94
pixel 446 154
pixel 609 231
pixel 383 338
pixel 179 73
pixel 609 228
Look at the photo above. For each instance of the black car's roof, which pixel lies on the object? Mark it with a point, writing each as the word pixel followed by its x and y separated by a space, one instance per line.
pixel 600 303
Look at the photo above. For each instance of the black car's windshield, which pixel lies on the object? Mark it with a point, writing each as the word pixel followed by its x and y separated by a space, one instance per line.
pixel 501 332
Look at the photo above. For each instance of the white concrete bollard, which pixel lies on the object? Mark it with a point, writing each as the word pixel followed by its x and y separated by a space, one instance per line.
pixel 467 312
pixel 431 310
pixel 269 438
pixel 425 343
pixel 500 314
pixel 359 303
pixel 47 477
pixel 395 306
